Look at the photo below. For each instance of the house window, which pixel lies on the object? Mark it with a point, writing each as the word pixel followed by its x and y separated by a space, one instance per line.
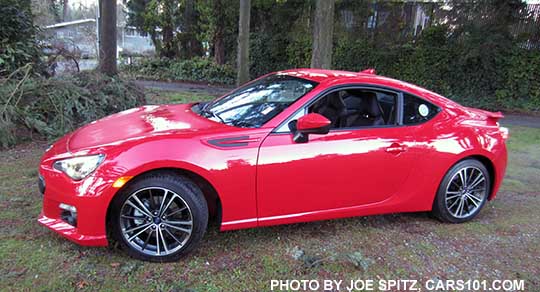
pixel 372 21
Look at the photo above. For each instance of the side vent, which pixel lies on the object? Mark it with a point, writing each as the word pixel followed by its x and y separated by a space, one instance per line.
pixel 233 141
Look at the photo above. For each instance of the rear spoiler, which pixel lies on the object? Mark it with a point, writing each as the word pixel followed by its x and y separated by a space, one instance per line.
pixel 490 115
pixel 494 115
pixel 370 71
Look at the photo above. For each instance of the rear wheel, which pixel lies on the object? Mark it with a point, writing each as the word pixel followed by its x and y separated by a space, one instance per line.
pixel 159 217
pixel 463 192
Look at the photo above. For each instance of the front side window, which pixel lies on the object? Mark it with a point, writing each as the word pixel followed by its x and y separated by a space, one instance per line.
pixel 255 104
pixel 353 108
pixel 417 110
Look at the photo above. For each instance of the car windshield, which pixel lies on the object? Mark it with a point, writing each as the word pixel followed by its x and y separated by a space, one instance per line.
pixel 255 104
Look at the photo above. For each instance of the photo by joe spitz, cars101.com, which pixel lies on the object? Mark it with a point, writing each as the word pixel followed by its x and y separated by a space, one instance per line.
pixel 292 146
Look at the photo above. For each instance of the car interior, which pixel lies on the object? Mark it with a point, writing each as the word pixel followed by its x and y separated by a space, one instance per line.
pixel 357 108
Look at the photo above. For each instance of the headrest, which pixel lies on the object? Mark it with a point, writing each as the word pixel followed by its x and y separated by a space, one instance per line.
pixel 365 102
pixel 372 104
pixel 335 101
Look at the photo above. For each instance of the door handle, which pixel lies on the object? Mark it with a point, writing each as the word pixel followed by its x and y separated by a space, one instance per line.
pixel 396 148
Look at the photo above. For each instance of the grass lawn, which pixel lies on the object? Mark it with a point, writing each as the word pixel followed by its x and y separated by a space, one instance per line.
pixel 503 242
pixel 160 96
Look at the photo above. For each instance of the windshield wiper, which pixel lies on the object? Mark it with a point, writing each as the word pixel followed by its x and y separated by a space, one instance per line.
pixel 242 124
pixel 205 111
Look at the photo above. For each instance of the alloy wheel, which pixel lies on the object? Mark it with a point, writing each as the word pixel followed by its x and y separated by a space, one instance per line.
pixel 156 221
pixel 465 192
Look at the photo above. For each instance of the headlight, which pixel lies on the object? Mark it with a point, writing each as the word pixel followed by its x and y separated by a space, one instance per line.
pixel 79 167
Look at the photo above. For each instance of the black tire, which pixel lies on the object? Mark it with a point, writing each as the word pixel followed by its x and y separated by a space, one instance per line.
pixel 449 191
pixel 183 191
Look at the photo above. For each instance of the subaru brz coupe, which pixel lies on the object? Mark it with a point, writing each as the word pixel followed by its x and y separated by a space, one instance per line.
pixel 292 146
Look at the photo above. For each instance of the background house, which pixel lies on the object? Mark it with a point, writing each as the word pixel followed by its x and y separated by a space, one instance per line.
pixel 80 37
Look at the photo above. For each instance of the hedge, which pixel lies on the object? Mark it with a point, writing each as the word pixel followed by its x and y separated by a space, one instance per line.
pixel 193 70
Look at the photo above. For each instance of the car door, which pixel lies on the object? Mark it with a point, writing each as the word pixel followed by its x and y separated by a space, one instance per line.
pixel 344 168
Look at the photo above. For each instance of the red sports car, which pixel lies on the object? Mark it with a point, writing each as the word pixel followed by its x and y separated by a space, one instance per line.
pixel 292 146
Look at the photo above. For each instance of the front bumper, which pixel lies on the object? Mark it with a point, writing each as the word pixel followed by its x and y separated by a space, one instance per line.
pixel 72 233
pixel 90 196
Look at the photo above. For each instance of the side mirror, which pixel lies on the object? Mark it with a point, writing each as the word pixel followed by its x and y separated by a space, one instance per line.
pixel 309 124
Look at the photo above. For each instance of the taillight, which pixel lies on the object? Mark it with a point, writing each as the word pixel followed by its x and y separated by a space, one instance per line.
pixel 504 133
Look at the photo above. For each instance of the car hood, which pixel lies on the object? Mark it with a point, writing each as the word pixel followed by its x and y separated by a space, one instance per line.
pixel 139 123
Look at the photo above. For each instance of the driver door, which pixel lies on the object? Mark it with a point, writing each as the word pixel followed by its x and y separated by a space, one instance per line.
pixel 347 167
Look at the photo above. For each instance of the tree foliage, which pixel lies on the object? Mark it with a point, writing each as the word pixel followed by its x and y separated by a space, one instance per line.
pixel 18 44
pixel 280 35
pixel 471 51
pixel 172 24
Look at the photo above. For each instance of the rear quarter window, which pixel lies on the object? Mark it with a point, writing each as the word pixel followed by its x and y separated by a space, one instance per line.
pixel 417 110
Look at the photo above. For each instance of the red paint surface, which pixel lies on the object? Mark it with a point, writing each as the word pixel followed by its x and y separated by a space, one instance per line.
pixel 270 179
pixel 312 121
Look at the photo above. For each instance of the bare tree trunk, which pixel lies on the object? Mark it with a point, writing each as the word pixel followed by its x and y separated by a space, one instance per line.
pixel 53 8
pixel 243 42
pixel 323 31
pixel 107 37
pixel 219 46
pixel 65 10
pixel 169 46
pixel 156 41
pixel 192 46
pixel 188 21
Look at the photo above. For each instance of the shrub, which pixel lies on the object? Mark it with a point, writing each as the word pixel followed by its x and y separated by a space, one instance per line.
pixel 18 45
pixel 55 106
pixel 521 87
pixel 270 53
pixel 299 51
pixel 498 78
pixel 200 69
pixel 196 70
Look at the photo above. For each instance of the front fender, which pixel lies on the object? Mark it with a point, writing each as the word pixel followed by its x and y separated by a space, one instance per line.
pixel 231 171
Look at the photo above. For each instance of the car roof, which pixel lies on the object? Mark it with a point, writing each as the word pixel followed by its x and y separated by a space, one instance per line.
pixel 319 75
pixel 329 78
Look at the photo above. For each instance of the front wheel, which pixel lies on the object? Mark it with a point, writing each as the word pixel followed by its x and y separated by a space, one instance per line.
pixel 159 217
pixel 463 192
